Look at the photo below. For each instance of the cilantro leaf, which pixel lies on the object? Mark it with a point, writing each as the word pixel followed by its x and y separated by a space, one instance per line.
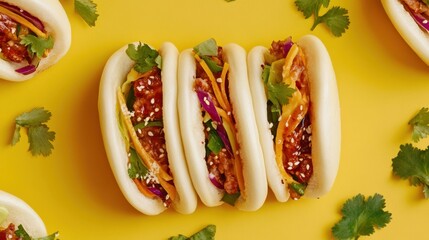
pixel 230 198
pixel 145 57
pixel 413 164
pixel 420 125
pixel 207 233
pixel 336 18
pixel 39 136
pixel 22 234
pixel 361 217
pixel 136 168
pixel 279 93
pixel 87 9
pixel 212 64
pixel 37 45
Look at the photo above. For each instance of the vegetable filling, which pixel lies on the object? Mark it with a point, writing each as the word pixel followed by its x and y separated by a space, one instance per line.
pixel 222 154
pixel 419 10
pixel 141 113
pixel 23 38
pixel 17 233
pixel 287 87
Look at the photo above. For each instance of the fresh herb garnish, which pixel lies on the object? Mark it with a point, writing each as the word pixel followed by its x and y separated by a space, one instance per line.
pixel 37 45
pixel 39 136
pixel 87 9
pixel 136 167
pixel 145 57
pixel 142 125
pixel 23 235
pixel 212 64
pixel 420 125
pixel 230 198
pixel 207 48
pixel 413 164
pixel 336 18
pixel 214 143
pixel 361 217
pixel 207 233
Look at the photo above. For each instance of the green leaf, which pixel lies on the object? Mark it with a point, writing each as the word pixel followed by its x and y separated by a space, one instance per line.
pixel 230 198
pixel 34 117
pixel 40 139
pixel 148 124
pixel 337 20
pixel 215 143
pixel 279 93
pixel 413 164
pixel 136 168
pixel 212 64
pixel 144 56
pixel 207 233
pixel 23 235
pixel 361 217
pixel 207 48
pixel 37 45
pixel 420 125
pixel 16 134
pixel 87 9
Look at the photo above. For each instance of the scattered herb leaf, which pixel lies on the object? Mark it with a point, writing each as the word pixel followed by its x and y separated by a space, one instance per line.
pixel 207 233
pixel 361 217
pixel 39 136
pixel 336 18
pixel 207 48
pixel 420 125
pixel 145 57
pixel 87 9
pixel 136 168
pixel 37 45
pixel 413 164
pixel 230 198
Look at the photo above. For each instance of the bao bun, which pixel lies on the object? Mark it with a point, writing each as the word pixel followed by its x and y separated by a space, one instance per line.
pixel 325 118
pixel 20 213
pixel 192 129
pixel 115 72
pixel 416 37
pixel 54 18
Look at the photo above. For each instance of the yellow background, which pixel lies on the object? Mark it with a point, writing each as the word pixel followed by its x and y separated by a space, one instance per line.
pixel 381 82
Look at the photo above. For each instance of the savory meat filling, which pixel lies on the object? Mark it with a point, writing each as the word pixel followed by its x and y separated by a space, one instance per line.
pixel 417 6
pixel 8 233
pixel 11 48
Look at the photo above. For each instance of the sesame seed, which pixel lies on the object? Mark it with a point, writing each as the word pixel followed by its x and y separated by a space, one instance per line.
pixel 140 88
pixel 287 124
pixel 139 119
pixel 228 113
pixel 161 150
pixel 290 163
pixel 219 80
pixel 307 167
pixel 289 168
pixel 279 119
pixel 161 155
pixel 296 163
pixel 302 175
pixel 425 21
pixel 301 107
pixel 208 129
pixel 292 140
pixel 149 82
pixel 151 114
pixel 156 109
pixel 152 101
pixel 139 131
pixel 151 77
pixel 271 125
pixel 150 134
pixel 206 101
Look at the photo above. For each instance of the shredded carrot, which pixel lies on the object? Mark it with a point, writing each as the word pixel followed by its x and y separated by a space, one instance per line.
pixel 212 79
pixel 145 156
pixel 23 21
pixel 224 115
pixel 223 86
pixel 171 190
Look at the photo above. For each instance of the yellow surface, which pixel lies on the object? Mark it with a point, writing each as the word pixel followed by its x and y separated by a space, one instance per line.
pixel 382 84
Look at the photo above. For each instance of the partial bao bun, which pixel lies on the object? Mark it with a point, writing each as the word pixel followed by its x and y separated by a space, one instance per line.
pixel 20 212
pixel 410 31
pixel 114 74
pixel 192 129
pixel 325 118
pixel 56 23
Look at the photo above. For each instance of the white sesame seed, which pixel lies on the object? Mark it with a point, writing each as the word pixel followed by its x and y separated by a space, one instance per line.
pixel 152 101
pixel 156 109
pixel 161 155
pixel 149 82
pixel 292 140
pixel 302 175
pixel 290 163
pixel 271 125
pixel 150 134
pixel 139 131
pixel 287 124
pixel 307 167
pixel 151 114
pixel 425 21
pixel 296 163
pixel 161 150
pixel 140 88
pixel 289 168
pixel 219 80
pixel 279 119
pixel 208 129
pixel 228 113
pixel 139 119
pixel 301 107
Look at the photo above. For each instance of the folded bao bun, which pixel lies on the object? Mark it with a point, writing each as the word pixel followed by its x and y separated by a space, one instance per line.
pixel 20 213
pixel 411 32
pixel 55 21
pixel 325 118
pixel 114 74
pixel 193 136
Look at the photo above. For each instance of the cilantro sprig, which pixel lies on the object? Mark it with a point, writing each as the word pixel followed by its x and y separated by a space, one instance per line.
pixel 207 233
pixel 420 124
pixel 413 164
pixel 39 136
pixel 145 57
pixel 87 9
pixel 23 235
pixel 361 217
pixel 336 18
pixel 37 45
